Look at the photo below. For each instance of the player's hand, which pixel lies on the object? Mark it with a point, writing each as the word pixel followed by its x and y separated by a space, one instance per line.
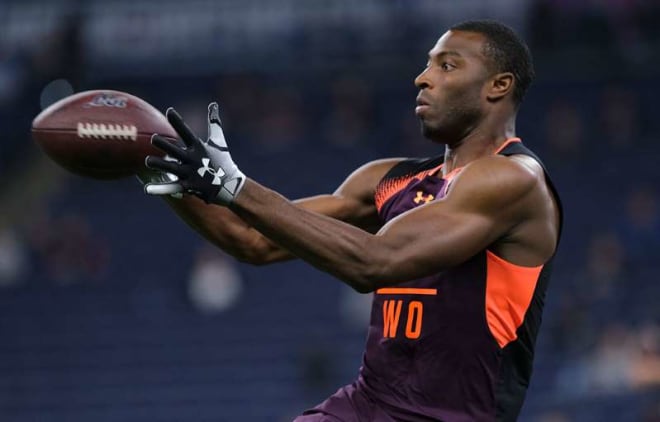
pixel 147 176
pixel 202 168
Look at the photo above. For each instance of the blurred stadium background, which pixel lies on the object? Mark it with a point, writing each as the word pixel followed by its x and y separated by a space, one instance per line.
pixel 111 309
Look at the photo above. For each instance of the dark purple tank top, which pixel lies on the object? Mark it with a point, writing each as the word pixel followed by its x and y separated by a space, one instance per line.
pixel 456 345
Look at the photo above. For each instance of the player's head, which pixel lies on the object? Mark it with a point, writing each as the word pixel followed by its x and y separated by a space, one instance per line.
pixel 475 69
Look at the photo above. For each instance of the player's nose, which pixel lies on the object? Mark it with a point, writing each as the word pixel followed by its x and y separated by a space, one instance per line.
pixel 422 81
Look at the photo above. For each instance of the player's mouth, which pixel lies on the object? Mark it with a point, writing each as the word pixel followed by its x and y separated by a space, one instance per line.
pixel 422 105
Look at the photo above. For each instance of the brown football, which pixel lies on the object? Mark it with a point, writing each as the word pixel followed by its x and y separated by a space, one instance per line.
pixel 102 134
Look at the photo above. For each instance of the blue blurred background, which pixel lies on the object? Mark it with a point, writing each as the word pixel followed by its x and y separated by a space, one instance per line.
pixel 111 309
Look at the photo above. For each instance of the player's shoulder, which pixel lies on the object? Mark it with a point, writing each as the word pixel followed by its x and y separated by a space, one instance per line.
pixel 362 182
pixel 523 168
pixel 383 164
pixel 377 169
pixel 501 178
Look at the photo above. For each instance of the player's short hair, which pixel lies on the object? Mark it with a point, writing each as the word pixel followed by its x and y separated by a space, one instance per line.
pixel 507 52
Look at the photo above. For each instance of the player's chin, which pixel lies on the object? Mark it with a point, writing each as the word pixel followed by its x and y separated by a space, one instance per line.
pixel 428 130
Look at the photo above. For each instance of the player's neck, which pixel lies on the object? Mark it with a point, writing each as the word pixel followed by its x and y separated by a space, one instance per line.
pixel 482 141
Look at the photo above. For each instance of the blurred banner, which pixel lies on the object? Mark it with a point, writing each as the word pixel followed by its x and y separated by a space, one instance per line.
pixel 206 35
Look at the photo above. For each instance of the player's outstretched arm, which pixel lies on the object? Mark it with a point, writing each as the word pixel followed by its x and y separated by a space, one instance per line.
pixel 488 200
pixel 493 199
pixel 352 202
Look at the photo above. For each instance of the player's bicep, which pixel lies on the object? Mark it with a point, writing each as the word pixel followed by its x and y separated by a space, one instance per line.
pixel 434 237
pixel 482 206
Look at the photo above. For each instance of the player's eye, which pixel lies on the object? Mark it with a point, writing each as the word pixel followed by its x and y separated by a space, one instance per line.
pixel 447 66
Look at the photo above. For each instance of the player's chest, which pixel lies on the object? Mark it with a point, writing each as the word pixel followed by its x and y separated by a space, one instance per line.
pixel 415 193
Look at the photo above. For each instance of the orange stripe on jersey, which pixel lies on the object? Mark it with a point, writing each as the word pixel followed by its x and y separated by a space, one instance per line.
pixel 509 291
pixel 390 187
pixel 449 176
pixel 387 188
pixel 506 143
pixel 406 291
pixel 432 171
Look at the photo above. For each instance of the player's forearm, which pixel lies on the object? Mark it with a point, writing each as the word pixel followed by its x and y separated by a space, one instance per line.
pixel 227 231
pixel 345 251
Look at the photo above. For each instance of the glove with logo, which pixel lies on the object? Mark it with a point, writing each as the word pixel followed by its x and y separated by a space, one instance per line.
pixel 148 176
pixel 202 168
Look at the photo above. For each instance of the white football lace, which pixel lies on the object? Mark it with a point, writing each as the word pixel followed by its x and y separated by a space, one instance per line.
pixel 107 131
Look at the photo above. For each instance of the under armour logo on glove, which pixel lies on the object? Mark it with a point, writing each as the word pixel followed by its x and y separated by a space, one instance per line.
pixel 213 154
pixel 217 174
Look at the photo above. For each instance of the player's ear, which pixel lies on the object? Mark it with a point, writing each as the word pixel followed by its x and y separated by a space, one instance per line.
pixel 500 85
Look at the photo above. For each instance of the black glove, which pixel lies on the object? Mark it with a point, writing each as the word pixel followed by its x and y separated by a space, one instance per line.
pixel 202 168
